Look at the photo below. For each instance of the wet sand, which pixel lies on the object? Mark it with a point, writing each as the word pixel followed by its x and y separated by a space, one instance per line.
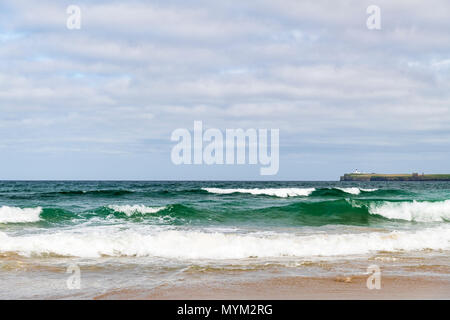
pixel 285 288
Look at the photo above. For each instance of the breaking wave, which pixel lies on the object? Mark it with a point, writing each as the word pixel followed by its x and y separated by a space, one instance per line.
pixel 291 192
pixel 19 215
pixel 300 213
pixel 130 210
pixel 425 211
pixel 280 192
pixel 354 190
pixel 217 245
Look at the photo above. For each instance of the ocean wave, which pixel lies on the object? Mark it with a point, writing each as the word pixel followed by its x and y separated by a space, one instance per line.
pixel 315 213
pixel 214 245
pixel 292 192
pixel 106 192
pixel 348 211
pixel 19 215
pixel 356 191
pixel 277 192
pixel 423 211
pixel 130 210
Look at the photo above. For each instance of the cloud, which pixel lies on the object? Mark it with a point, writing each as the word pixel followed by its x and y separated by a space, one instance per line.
pixel 136 71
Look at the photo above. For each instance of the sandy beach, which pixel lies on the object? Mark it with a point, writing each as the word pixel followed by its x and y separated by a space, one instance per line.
pixel 287 288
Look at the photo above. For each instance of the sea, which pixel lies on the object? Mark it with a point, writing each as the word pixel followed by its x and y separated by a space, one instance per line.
pixel 84 239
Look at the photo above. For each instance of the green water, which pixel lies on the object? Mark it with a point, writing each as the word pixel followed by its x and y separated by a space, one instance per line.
pixel 164 230
pixel 187 204
pixel 109 214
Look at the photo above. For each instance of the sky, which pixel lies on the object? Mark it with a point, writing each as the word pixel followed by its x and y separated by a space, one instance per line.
pixel 101 102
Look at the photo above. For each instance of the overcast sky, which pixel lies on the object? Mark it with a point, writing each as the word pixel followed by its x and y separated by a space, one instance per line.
pixel 101 102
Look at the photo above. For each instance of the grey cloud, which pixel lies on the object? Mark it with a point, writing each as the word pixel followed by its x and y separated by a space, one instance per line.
pixel 138 70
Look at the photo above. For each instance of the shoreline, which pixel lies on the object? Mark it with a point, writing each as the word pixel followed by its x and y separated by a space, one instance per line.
pixel 295 288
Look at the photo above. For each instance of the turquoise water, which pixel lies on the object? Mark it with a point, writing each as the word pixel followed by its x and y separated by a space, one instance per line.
pixel 194 204
pixel 170 226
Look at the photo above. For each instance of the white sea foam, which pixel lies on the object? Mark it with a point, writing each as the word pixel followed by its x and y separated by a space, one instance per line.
pixel 130 210
pixel 283 192
pixel 355 191
pixel 215 245
pixel 19 215
pixel 425 211
pixel 368 190
pixel 278 192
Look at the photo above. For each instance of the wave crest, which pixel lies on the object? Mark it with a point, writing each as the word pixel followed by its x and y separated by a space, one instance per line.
pixel 215 245
pixel 425 211
pixel 130 210
pixel 19 215
pixel 277 192
pixel 290 192
pixel 355 190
